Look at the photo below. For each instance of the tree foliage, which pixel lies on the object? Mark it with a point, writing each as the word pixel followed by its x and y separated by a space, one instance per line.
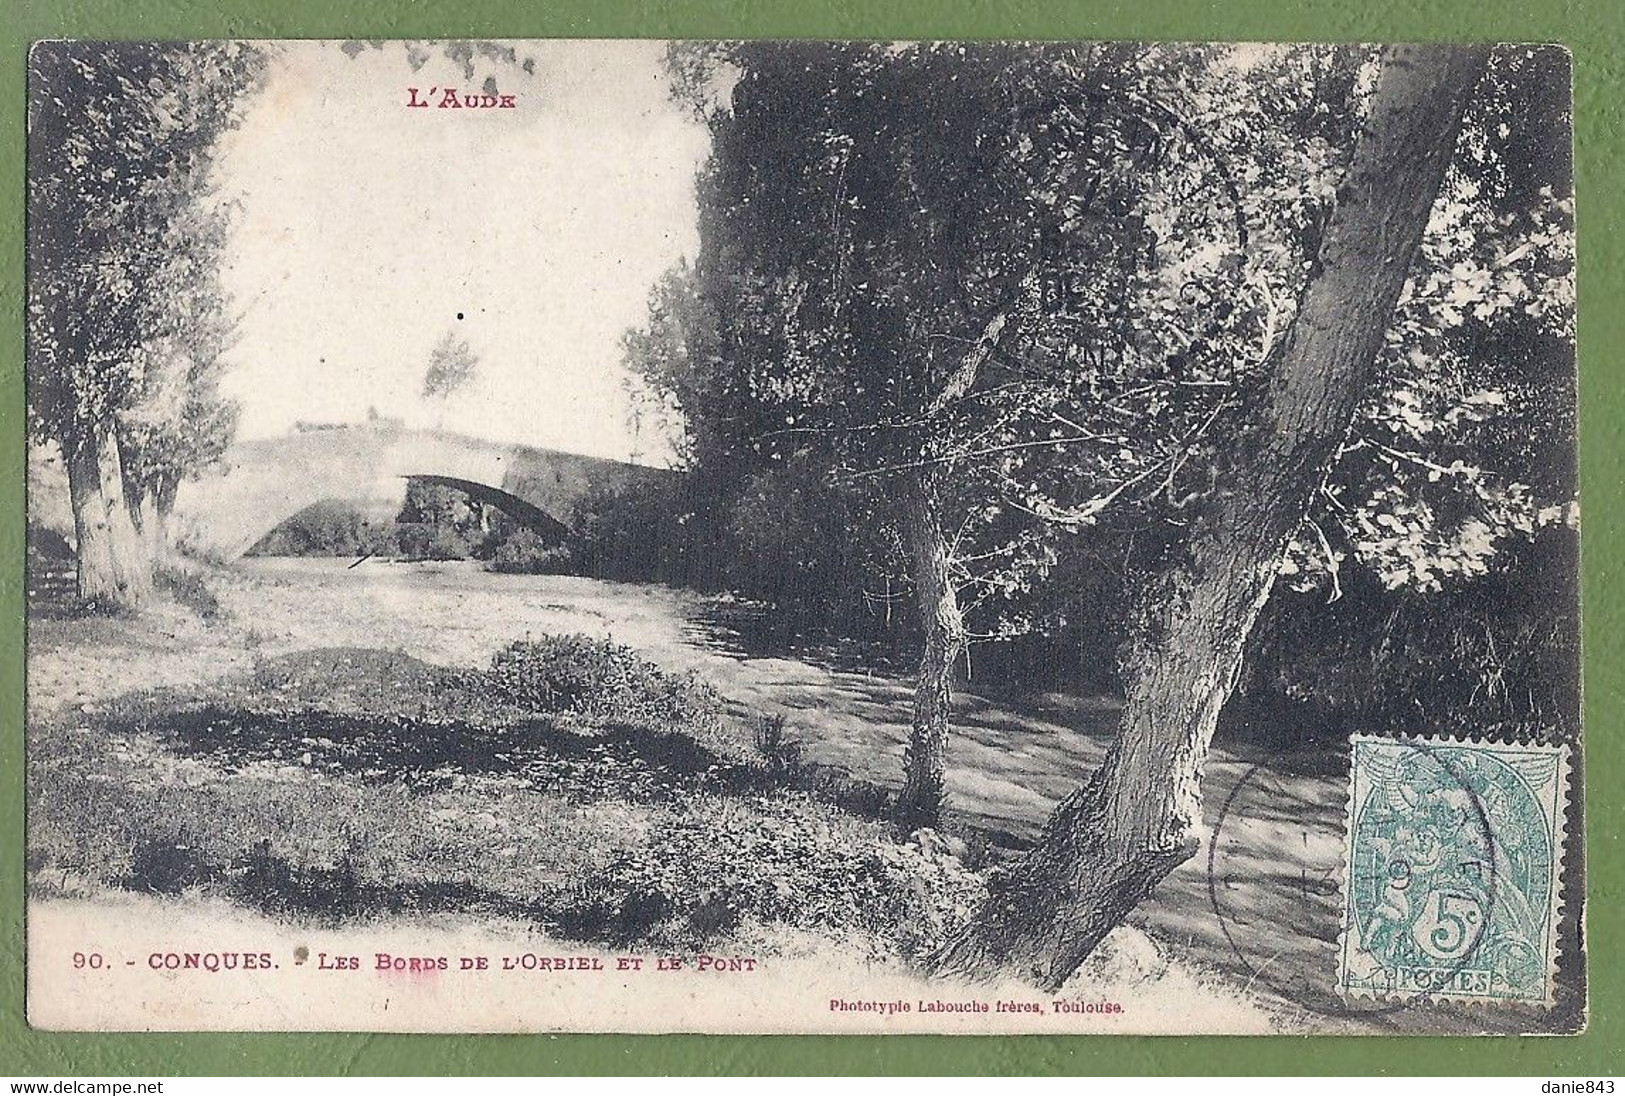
pixel 1143 219
pixel 124 229
pixel 125 313
pixel 452 364
pixel 179 421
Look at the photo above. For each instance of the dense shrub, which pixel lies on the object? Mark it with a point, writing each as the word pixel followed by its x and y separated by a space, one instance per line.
pixel 598 680
pixel 644 531
pixel 525 552
pixel 439 522
pixel 825 556
pixel 783 860
pixel 190 589
pixel 331 527
pixel 445 544
pixel 1496 656
pixel 48 546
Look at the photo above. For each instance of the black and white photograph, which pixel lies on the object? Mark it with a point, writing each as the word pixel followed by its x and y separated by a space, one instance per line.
pixel 802 537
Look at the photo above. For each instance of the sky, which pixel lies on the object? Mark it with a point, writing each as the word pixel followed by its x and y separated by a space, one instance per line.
pixel 367 230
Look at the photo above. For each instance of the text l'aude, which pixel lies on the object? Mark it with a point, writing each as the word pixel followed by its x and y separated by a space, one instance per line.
pixel 450 99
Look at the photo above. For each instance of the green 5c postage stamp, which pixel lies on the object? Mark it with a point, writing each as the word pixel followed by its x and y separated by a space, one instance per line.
pixel 1452 883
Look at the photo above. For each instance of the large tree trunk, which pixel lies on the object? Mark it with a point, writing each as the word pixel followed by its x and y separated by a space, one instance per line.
pixel 1112 840
pixel 921 800
pixel 114 571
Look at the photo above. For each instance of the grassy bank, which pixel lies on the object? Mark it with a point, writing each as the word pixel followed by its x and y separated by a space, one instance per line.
pixel 571 784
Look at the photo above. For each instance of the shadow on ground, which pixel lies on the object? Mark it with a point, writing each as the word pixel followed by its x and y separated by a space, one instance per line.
pixel 1262 902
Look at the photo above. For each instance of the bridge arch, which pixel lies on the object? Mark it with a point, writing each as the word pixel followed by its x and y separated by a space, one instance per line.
pixel 326 518
pixel 528 514
pixel 262 482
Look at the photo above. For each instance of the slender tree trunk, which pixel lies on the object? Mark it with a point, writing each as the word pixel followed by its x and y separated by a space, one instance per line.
pixel 144 518
pixel 921 800
pixel 134 493
pixel 156 519
pixel 113 569
pixel 154 527
pixel 1111 841
pixel 129 548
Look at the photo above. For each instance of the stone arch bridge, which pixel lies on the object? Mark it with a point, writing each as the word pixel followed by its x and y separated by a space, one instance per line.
pixel 262 482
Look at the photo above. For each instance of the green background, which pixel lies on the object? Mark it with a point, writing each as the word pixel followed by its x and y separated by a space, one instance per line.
pixel 1591 28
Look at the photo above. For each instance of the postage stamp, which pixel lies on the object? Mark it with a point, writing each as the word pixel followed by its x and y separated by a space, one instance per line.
pixel 1453 873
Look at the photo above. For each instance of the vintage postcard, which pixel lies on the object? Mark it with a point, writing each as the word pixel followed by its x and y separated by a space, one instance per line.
pixel 797 536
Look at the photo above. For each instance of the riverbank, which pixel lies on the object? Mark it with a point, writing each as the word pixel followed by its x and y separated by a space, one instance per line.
pixel 297 635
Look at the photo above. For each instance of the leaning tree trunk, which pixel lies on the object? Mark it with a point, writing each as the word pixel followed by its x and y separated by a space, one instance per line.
pixel 921 800
pixel 114 571
pixel 1112 840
